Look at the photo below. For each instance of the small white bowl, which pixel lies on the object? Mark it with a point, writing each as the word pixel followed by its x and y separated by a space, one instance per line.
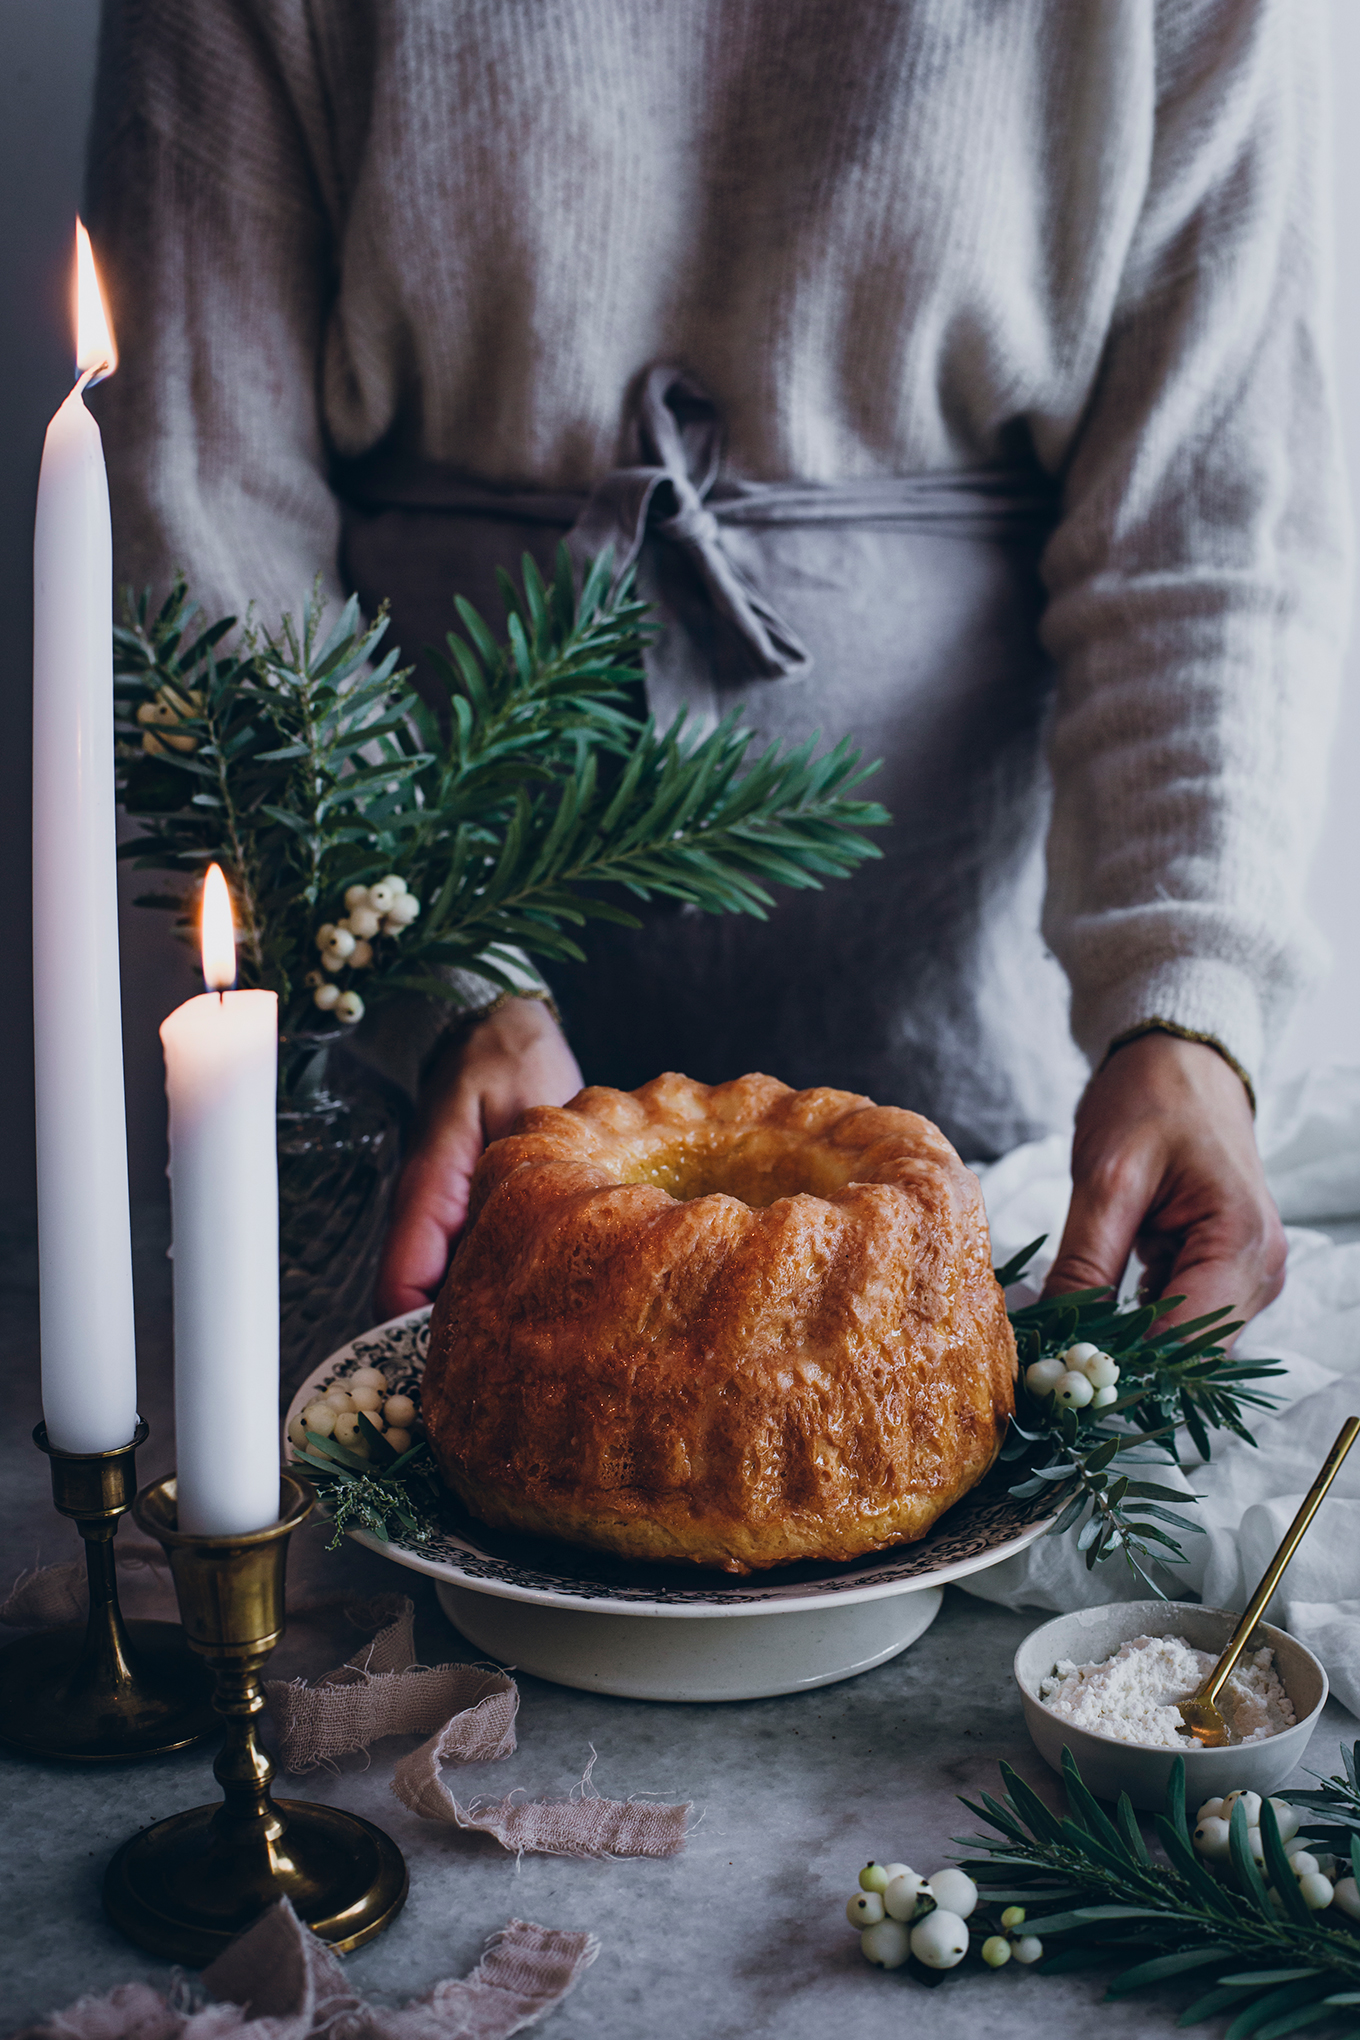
pixel 1110 1767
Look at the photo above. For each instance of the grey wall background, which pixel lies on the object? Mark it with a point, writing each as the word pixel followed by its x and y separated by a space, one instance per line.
pixel 46 67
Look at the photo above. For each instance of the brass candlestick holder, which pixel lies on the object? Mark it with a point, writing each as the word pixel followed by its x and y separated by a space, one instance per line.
pixel 111 1688
pixel 187 1886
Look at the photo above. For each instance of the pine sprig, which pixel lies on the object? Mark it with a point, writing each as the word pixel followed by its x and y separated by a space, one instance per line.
pixel 1097 1461
pixel 1089 1883
pixel 531 799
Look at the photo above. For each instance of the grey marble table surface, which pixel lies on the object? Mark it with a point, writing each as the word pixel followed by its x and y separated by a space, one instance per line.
pixel 742 1935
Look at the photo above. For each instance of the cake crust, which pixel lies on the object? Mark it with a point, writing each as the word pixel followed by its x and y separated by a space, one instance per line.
pixel 733 1325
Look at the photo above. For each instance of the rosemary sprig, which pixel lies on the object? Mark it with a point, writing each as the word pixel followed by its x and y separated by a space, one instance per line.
pixel 1090 1883
pixel 1097 1460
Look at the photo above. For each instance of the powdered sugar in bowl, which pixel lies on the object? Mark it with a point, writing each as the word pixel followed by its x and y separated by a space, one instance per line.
pixel 1112 1722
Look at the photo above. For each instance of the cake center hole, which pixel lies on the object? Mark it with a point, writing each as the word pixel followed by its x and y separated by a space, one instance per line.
pixel 758 1168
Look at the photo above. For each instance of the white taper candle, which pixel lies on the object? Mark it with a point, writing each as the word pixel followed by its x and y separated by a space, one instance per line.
pixel 89 1378
pixel 221 1062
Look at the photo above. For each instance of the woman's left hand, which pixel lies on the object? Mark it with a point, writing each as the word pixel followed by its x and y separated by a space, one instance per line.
pixel 1164 1160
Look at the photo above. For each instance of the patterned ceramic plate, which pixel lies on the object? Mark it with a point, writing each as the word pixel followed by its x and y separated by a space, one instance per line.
pixel 985 1527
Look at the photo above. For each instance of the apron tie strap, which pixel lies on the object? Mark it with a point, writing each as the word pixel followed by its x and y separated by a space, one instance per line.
pixel 680 439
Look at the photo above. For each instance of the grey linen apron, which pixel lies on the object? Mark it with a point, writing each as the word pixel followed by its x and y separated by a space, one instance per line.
pixel 902 611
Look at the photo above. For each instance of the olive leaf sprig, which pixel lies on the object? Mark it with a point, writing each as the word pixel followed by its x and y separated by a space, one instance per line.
pixel 1090 1883
pixel 1334 1811
pixel 1098 1460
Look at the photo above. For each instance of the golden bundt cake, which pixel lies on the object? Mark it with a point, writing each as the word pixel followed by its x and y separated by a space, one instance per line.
pixel 737 1325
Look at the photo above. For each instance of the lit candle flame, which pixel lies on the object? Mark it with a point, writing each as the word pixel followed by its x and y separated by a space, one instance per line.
pixel 96 355
pixel 218 935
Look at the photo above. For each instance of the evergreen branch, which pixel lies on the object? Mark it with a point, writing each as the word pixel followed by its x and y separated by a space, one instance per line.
pixel 518 807
pixel 1094 1459
pixel 389 1495
pixel 1088 1883
pixel 1334 1810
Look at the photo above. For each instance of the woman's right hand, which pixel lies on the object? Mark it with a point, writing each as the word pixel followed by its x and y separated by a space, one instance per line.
pixel 516 1058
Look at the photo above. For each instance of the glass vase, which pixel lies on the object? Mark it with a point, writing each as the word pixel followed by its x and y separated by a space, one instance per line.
pixel 339 1132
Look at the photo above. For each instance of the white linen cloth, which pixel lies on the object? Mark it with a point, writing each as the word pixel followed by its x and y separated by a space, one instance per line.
pixel 1310 1142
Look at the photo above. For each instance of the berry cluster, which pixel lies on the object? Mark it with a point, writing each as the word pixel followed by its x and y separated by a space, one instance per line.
pixel 1319 1886
pixel 345 1413
pixel 1081 1375
pixel 900 1913
pixel 370 910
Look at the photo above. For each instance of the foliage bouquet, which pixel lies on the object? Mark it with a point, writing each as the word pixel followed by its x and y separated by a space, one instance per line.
pixel 373 838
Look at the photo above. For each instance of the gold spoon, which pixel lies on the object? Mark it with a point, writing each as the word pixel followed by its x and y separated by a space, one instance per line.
pixel 1200 1717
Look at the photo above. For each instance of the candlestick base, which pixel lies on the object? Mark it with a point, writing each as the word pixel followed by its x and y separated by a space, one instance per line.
pixel 110 1689
pixel 186 1887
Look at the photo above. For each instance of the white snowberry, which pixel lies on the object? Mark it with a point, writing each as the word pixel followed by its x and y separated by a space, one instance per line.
pixel 1211 1837
pixel 325 935
pixel 297 1434
pixel 383 896
pixel 1286 1819
pixel 319 1417
pixel 1043 1376
pixel 349 1433
pixel 368 1377
pixel 1103 1397
pixel 326 997
pixel 333 959
pixel 1303 1863
pixel 1211 1806
pixel 363 922
pixel 1014 1916
pixel 1346 1897
pixel 341 941
pixel 313 979
pixel 1028 1948
pixel 940 1940
pixel 1101 1372
pixel 887 1945
pixel 362 956
pixel 903 1894
pixel 953 1891
pixel 873 1877
pixel 1078 1355
pixel 355 896
pixel 398 1439
pixel 406 907
pixel 865 1909
pixel 349 1007
pixel 340 1399
pixel 399 1409
pixel 1317 1891
pixel 1256 1845
pixel 364 1396
pixel 1252 1802
pixel 1073 1392
pixel 996 1951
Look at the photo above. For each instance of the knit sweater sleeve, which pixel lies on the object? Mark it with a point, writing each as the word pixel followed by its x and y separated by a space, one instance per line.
pixel 215 199
pixel 1197 577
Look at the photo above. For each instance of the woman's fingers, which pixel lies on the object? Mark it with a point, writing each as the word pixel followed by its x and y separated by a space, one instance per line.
pixel 515 1059
pixel 1165 1158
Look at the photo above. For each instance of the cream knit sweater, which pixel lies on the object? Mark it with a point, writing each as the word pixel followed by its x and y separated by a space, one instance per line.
pixel 887 236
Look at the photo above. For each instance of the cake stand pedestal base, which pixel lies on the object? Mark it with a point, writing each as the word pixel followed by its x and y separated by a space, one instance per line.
pixel 699 1657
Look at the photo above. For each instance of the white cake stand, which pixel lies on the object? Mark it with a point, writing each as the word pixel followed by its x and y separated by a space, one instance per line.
pixel 663 1633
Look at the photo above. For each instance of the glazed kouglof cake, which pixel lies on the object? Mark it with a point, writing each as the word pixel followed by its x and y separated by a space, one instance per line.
pixel 736 1325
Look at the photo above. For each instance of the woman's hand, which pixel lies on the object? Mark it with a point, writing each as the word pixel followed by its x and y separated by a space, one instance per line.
pixel 516 1058
pixel 1164 1159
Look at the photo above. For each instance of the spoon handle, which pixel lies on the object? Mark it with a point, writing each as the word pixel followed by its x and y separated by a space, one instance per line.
pixel 1289 1544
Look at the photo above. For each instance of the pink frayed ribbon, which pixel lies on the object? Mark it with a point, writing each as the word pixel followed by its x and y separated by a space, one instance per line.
pixel 277 1981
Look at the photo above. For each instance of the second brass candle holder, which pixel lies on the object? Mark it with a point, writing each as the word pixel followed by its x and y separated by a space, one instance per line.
pixel 109 1688
pixel 187 1886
